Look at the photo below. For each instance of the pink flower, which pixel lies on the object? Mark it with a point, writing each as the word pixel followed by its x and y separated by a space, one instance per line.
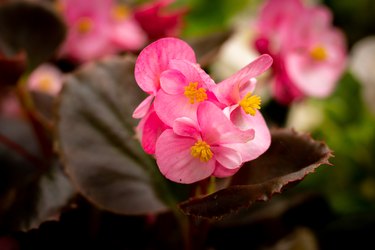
pixel 97 28
pixel 88 29
pixel 194 150
pixel 236 93
pixel 309 53
pixel 46 79
pixel 157 22
pixel 152 61
pixel 126 33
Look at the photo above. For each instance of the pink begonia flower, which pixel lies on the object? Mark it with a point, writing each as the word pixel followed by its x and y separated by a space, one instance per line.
pixel 88 29
pixel 46 79
pixel 309 53
pixel 126 33
pixel 157 22
pixel 194 150
pixel 150 64
pixel 183 87
pixel 152 61
pixel 236 93
pixel 97 28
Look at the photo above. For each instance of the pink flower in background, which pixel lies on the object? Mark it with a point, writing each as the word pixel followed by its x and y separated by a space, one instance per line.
pixel 236 93
pixel 46 79
pixel 126 33
pixel 309 53
pixel 88 29
pixel 158 22
pixel 97 28
pixel 192 151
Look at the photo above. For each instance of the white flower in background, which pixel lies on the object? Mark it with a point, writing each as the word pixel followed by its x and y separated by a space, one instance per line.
pixel 46 79
pixel 304 116
pixel 362 66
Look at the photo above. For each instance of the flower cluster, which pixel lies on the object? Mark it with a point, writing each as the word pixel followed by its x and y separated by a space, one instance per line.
pixel 194 127
pixel 309 53
pixel 100 27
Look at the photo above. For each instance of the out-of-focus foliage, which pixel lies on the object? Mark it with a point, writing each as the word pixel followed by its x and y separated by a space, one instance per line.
pixel 348 127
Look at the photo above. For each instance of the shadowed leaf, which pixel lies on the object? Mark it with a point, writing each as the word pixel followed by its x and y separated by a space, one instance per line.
pixel 30 27
pixel 289 159
pixel 96 138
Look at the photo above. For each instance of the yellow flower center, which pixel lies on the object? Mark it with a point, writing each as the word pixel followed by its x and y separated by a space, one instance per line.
pixel 194 94
pixel 84 25
pixel 45 84
pixel 250 103
pixel 120 12
pixel 319 53
pixel 202 151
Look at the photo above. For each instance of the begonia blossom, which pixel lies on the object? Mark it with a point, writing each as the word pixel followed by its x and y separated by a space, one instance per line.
pixel 151 63
pixel 46 79
pixel 194 127
pixel 309 53
pixel 97 28
pixel 236 92
pixel 194 150
pixel 157 21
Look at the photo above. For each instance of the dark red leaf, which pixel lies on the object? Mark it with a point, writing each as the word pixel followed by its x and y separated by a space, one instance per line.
pixel 289 159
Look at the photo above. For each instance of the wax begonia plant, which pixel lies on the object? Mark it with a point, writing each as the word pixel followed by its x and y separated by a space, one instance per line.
pixel 198 139
pixel 309 52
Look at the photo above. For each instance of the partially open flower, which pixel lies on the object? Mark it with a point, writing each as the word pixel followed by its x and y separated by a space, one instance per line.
pixel 46 79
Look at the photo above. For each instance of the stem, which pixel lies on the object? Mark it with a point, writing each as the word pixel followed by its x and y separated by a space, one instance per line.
pixel 20 150
pixel 40 131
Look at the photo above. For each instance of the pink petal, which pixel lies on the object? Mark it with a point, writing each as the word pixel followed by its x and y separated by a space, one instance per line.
pixel 222 172
pixel 217 128
pixel 262 137
pixel 175 161
pixel 152 128
pixel 227 157
pixel 186 127
pixel 227 91
pixel 127 35
pixel 143 107
pixel 171 107
pixel 154 59
pixel 193 73
pixel 173 82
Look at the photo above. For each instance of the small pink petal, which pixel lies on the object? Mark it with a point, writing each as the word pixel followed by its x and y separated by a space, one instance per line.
pixel 155 58
pixel 142 109
pixel 227 91
pixel 186 127
pixel 217 128
pixel 176 162
pixel 152 128
pixel 171 107
pixel 173 82
pixel 227 157
pixel 222 172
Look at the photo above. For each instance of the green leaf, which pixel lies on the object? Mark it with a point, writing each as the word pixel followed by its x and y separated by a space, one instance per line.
pixel 30 27
pixel 289 159
pixel 96 139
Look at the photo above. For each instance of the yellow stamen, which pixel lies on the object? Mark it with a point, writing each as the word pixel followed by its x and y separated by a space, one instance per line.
pixel 45 84
pixel 319 53
pixel 194 94
pixel 84 25
pixel 202 151
pixel 250 103
pixel 120 12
